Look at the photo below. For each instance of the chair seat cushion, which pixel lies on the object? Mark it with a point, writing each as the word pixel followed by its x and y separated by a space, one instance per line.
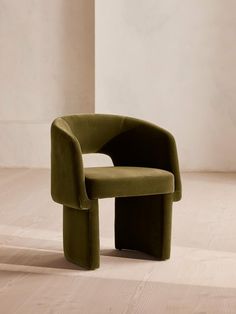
pixel 103 182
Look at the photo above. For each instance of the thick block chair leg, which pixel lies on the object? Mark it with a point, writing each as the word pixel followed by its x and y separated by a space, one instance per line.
pixel 81 236
pixel 144 223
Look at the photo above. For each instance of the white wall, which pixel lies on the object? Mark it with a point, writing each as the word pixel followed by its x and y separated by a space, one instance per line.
pixel 46 70
pixel 172 62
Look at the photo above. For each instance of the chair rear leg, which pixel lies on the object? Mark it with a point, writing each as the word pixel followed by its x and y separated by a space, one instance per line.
pixel 81 236
pixel 144 223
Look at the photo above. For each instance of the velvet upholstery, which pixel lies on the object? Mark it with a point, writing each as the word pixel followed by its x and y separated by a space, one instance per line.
pixel 144 223
pixel 103 182
pixel 145 180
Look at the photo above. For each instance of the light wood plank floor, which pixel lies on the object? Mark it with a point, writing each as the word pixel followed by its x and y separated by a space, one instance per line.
pixel 199 278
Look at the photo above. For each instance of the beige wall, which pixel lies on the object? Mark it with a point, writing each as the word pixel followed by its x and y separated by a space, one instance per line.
pixel 46 70
pixel 172 62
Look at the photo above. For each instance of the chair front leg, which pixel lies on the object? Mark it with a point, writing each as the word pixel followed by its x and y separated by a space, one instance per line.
pixel 81 236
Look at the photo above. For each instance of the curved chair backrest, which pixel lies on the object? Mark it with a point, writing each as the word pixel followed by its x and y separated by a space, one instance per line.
pixel 128 141
pixel 94 131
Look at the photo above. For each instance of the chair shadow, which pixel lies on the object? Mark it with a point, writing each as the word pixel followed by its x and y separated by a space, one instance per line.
pixel 131 254
pixel 36 257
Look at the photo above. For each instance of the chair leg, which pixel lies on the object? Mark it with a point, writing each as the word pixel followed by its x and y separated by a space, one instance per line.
pixel 81 236
pixel 144 223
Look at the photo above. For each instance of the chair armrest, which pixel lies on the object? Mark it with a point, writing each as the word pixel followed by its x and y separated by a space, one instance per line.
pixel 173 165
pixel 67 174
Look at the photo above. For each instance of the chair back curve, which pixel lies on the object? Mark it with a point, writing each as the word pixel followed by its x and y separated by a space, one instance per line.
pixel 94 131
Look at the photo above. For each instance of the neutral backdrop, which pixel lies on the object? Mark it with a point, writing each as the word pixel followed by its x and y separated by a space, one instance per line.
pixel 172 62
pixel 168 61
pixel 46 70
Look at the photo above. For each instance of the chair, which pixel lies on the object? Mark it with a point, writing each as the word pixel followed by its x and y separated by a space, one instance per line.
pixel 145 180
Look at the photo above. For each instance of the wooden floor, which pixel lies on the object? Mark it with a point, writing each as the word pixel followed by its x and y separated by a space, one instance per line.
pixel 199 278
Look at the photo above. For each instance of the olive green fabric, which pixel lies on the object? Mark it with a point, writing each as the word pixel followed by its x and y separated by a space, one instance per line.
pixel 67 175
pixel 81 236
pixel 131 143
pixel 128 141
pixel 102 182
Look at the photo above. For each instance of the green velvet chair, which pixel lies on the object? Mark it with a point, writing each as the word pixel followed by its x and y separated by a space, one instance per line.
pixel 145 180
